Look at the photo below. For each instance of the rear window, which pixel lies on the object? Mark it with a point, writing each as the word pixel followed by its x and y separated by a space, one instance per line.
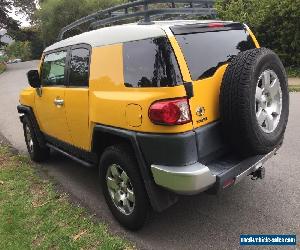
pixel 206 52
pixel 150 63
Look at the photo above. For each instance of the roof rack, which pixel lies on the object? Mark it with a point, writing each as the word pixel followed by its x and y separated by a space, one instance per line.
pixel 142 8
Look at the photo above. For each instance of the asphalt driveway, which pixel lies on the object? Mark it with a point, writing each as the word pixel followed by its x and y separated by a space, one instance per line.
pixel 266 206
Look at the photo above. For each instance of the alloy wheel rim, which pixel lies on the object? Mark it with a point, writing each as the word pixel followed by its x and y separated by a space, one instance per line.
pixel 268 101
pixel 29 139
pixel 120 189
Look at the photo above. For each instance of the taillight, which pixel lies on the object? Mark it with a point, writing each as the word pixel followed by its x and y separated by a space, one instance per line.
pixel 170 112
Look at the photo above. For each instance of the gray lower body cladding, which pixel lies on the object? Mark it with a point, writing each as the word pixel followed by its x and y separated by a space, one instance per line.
pixel 201 145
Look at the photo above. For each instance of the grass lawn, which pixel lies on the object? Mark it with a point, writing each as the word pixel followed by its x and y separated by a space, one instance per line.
pixel 2 67
pixel 34 215
pixel 294 88
pixel 293 72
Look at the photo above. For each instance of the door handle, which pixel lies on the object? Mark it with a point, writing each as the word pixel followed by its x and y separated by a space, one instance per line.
pixel 59 102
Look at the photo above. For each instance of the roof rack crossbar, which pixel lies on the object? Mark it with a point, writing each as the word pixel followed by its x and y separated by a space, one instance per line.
pixel 122 12
pixel 156 12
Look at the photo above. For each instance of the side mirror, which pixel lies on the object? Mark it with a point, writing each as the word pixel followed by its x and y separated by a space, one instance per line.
pixel 34 78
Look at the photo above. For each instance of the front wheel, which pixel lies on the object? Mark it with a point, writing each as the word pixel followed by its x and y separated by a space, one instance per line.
pixel 123 187
pixel 36 152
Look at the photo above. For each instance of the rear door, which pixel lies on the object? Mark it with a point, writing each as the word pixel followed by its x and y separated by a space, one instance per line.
pixel 50 103
pixel 207 51
pixel 77 96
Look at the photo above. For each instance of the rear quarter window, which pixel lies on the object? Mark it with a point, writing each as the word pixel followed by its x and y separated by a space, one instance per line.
pixel 205 52
pixel 150 63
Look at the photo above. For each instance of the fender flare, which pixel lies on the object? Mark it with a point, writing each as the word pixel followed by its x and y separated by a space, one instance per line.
pixel 160 198
pixel 25 110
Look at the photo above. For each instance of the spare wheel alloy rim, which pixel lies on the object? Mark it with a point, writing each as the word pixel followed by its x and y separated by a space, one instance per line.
pixel 268 101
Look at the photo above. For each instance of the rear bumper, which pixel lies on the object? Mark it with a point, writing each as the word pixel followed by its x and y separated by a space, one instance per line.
pixel 196 178
pixel 190 179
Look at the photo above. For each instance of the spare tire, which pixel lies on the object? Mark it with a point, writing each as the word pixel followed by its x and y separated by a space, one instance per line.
pixel 254 102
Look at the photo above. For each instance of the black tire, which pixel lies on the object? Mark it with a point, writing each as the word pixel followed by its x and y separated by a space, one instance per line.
pixel 124 157
pixel 36 152
pixel 238 104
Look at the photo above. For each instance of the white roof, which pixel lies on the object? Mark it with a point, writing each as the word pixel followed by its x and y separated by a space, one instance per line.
pixel 122 33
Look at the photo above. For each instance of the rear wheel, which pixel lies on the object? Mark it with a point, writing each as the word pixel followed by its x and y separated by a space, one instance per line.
pixel 36 152
pixel 120 189
pixel 123 187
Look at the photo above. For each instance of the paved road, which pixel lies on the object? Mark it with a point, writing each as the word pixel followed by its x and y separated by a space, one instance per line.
pixel 202 222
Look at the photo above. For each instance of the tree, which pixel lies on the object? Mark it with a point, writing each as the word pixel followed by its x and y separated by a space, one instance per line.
pixel 19 50
pixel 56 14
pixel 5 20
pixel 26 7
pixel 275 23
pixel 32 35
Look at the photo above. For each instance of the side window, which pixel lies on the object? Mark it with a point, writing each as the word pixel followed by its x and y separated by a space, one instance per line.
pixel 53 69
pixel 150 63
pixel 79 67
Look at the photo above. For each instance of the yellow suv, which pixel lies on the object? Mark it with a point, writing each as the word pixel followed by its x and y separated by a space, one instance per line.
pixel 163 109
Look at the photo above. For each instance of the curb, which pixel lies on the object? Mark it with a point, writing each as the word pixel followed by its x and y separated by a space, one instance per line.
pixel 5 142
pixel 294 81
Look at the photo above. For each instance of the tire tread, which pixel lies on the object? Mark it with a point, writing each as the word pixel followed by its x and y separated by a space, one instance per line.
pixel 235 104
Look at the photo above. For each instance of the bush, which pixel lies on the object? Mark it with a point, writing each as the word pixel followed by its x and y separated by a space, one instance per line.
pixel 2 67
pixel 30 34
pixel 3 59
pixel 275 23
pixel 20 50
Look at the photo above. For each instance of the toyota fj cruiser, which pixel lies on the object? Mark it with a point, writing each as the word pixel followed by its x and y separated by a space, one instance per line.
pixel 162 108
